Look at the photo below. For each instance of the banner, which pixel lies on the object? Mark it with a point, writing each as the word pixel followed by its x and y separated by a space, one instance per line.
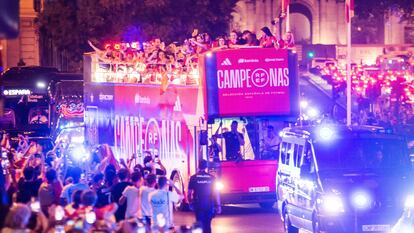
pixel 250 82
pixel 134 119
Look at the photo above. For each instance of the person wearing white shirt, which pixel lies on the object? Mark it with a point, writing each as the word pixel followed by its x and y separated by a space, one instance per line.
pixel 151 181
pixel 131 196
pixel 162 204
pixel 270 146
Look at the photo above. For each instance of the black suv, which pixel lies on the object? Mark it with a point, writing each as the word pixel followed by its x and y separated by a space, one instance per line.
pixel 335 178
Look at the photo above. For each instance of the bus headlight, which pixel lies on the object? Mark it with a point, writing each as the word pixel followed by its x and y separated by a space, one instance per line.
pixel 332 204
pixel 219 185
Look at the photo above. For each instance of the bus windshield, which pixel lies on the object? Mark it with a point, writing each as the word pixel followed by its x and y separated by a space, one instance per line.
pixel 362 154
pixel 260 137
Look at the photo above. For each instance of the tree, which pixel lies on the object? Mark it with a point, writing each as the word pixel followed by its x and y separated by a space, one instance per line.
pixel 368 30
pixel 370 15
pixel 369 8
pixel 70 23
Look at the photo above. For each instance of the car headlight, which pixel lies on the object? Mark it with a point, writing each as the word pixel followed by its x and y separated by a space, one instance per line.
pixel 331 204
pixel 219 185
pixel 361 200
pixel 409 202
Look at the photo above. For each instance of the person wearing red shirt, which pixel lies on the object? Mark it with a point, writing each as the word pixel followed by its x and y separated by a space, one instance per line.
pixel 49 191
pixel 233 39
pixel 267 40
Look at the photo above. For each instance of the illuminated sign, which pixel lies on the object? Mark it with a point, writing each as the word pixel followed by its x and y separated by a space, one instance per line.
pixel 139 119
pixel 249 83
pixel 118 46
pixel 14 92
pixel 34 98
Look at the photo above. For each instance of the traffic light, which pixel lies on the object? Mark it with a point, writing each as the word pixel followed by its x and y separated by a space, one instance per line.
pixel 9 20
pixel 311 54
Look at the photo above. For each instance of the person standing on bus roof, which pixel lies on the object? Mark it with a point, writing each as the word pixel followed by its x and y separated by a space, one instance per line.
pixel 234 140
pixel 202 194
pixel 267 40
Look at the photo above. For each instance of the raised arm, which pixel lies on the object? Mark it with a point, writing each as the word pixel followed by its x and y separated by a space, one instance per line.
pixel 177 190
pixel 94 47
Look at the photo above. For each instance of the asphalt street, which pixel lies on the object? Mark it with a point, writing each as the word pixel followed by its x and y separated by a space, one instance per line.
pixel 239 219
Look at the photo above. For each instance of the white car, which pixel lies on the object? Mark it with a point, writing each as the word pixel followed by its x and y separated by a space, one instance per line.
pixel 320 63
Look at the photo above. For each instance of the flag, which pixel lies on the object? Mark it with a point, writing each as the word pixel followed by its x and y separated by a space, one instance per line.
pixel 349 10
pixel 285 4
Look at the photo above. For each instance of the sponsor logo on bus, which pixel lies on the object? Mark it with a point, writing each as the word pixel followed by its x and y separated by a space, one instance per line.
pixel 226 62
pixel 243 60
pixel 103 97
pixel 142 99
pixel 177 105
pixel 274 59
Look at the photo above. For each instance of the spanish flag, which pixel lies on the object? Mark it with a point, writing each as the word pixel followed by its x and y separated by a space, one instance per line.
pixel 349 10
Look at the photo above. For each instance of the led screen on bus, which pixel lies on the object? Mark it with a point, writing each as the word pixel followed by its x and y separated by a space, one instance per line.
pixel 250 82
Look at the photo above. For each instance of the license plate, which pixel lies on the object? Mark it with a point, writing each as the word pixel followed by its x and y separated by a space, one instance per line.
pixel 376 228
pixel 258 189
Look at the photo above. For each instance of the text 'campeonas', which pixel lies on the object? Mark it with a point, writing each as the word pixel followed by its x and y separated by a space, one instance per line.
pixel 136 134
pixel 246 78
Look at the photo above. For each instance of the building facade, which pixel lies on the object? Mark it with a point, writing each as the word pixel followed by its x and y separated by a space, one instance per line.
pixel 25 47
pixel 314 21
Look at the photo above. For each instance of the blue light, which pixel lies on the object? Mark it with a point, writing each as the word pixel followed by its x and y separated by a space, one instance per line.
pixel 361 200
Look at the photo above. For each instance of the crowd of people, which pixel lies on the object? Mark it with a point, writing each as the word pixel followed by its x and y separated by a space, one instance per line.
pixel 153 61
pixel 42 192
pixel 387 118
pixel 385 96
